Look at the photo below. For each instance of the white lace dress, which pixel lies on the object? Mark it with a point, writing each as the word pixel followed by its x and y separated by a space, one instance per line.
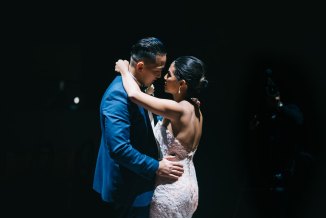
pixel 178 199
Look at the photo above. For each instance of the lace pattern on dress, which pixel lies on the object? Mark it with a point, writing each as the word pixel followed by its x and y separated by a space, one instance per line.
pixel 178 199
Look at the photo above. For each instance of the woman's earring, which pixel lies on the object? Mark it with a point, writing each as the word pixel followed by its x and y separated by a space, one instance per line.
pixel 179 89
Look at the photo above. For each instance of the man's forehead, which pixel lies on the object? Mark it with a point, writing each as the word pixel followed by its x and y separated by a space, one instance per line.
pixel 160 62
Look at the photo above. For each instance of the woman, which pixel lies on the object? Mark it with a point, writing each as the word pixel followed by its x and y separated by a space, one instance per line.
pixel 178 133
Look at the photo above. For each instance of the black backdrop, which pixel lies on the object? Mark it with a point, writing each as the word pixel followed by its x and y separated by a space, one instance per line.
pixel 56 52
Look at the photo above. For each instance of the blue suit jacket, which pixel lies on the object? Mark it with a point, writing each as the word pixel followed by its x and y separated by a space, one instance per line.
pixel 127 158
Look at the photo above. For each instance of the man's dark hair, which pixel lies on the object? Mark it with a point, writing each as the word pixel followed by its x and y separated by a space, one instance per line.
pixel 147 49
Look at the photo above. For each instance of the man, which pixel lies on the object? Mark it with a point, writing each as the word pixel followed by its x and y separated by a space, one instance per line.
pixel 128 158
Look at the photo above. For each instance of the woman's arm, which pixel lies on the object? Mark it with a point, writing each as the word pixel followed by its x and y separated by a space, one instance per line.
pixel 164 107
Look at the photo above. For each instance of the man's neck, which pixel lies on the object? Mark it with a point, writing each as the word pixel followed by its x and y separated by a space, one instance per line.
pixel 133 76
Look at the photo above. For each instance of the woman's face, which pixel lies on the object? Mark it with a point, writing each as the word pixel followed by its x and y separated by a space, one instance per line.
pixel 171 84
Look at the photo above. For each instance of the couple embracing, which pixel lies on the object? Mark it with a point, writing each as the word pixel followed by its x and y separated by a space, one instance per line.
pixel 145 163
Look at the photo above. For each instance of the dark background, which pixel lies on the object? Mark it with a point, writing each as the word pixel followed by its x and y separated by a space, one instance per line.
pixel 53 53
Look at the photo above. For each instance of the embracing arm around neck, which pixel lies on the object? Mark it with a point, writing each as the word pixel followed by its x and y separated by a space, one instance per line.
pixel 164 107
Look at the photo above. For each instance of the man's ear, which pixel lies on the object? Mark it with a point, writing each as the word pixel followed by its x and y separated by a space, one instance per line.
pixel 140 66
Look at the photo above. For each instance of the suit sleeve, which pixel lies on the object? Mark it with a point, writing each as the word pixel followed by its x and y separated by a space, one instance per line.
pixel 117 136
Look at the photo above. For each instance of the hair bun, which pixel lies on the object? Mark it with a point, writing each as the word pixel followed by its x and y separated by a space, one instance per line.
pixel 203 83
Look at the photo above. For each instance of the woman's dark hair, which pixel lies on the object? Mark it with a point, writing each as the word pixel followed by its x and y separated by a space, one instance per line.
pixel 147 49
pixel 192 70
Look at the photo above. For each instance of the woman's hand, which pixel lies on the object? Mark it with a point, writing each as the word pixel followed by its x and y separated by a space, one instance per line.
pixel 122 66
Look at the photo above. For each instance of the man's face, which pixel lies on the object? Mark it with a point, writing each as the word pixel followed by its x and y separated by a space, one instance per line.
pixel 151 72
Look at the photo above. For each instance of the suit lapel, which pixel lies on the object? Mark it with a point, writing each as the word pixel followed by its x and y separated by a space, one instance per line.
pixel 145 116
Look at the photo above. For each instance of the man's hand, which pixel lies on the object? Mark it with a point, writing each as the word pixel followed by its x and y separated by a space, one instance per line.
pixel 169 168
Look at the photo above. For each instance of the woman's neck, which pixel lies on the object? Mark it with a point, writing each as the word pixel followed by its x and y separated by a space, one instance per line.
pixel 179 97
